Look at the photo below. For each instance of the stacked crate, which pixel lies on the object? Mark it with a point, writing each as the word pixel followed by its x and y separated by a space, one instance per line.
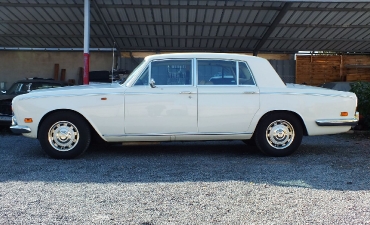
pixel 316 70
pixel 357 67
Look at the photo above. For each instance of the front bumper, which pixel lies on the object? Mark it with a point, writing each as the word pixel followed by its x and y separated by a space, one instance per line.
pixel 339 122
pixel 17 129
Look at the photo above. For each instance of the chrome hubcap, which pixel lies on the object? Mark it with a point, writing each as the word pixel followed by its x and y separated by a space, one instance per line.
pixel 63 136
pixel 280 134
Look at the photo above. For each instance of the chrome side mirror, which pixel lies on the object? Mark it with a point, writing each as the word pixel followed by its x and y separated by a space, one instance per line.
pixel 152 83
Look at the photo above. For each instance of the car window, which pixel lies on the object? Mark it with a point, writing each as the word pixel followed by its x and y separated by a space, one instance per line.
pixel 144 78
pixel 245 74
pixel 167 72
pixel 216 72
pixel 171 72
pixel 18 88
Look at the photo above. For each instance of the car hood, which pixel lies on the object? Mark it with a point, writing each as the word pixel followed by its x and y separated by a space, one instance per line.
pixel 5 96
pixel 72 90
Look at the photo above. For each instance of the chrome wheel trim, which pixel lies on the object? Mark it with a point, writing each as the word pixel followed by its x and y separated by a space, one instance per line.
pixel 280 134
pixel 63 136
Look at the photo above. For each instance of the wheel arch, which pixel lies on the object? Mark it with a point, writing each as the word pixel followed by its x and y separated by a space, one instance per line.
pixel 92 129
pixel 305 132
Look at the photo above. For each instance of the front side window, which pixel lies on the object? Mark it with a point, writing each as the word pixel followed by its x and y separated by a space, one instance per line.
pixel 144 78
pixel 167 72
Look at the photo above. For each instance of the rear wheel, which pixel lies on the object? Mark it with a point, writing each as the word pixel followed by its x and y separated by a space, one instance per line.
pixel 64 135
pixel 279 134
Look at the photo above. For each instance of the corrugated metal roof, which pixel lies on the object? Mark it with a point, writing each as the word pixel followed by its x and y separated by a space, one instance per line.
pixel 189 25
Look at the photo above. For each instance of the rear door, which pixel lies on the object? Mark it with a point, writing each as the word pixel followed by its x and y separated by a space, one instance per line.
pixel 228 97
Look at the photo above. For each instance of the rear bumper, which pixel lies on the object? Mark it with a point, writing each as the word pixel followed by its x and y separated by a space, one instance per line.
pixel 346 122
pixel 339 122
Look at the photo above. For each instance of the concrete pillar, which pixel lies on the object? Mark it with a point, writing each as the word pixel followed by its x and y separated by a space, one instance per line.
pixel 86 42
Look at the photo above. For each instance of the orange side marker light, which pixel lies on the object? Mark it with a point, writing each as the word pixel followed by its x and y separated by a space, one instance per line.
pixel 28 120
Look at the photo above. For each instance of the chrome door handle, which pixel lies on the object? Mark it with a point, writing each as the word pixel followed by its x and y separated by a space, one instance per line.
pixel 250 92
pixel 185 92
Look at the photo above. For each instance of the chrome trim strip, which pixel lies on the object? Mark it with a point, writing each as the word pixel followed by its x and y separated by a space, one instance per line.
pixel 71 95
pixel 337 122
pixel 312 94
pixel 17 129
pixel 174 134
pixel 250 92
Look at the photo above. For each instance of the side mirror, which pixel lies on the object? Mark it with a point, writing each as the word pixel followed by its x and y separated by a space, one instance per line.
pixel 152 83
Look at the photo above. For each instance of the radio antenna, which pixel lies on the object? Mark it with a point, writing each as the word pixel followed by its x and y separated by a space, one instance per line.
pixel 114 44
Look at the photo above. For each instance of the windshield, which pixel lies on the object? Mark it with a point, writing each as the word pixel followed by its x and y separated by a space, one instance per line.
pixel 18 88
pixel 129 78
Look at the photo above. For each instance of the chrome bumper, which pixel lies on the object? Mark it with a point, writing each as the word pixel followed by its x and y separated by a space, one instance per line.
pixel 17 129
pixel 339 122
pixel 20 129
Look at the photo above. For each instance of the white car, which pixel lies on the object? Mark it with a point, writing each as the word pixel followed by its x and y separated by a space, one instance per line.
pixel 172 97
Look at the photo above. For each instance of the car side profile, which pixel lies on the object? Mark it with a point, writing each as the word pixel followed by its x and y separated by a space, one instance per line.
pixel 185 97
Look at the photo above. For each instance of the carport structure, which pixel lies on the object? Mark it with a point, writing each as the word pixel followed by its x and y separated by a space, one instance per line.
pixel 187 25
pixel 184 25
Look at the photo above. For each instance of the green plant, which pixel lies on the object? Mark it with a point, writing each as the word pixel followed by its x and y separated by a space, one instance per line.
pixel 362 90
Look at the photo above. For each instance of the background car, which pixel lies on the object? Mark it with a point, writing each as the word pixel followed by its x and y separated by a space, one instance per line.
pixel 22 87
pixel 339 86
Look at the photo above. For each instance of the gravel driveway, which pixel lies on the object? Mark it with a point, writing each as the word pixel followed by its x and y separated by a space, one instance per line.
pixel 327 181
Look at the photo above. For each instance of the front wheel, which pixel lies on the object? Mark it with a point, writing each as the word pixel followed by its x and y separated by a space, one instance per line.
pixel 64 135
pixel 279 134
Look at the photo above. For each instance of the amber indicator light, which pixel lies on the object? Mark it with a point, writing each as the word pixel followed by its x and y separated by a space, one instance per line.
pixel 28 120
pixel 344 114
pixel 103 99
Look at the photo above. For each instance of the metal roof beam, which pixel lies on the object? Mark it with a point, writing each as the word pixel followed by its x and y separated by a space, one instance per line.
pixel 274 24
pixel 167 6
pixel 101 17
pixel 186 23
pixel 139 6
pixel 184 37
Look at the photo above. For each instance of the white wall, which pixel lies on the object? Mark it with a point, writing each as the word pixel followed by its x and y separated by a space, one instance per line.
pixel 16 65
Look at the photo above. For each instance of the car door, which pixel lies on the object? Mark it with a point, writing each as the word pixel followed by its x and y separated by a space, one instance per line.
pixel 228 97
pixel 167 107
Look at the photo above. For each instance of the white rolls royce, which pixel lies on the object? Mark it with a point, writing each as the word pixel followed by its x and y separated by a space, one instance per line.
pixel 185 97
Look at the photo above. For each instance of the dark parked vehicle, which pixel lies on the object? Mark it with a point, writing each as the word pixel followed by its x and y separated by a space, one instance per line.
pixel 339 85
pixel 22 87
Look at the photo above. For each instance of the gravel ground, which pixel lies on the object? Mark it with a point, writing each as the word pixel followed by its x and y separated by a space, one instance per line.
pixel 327 181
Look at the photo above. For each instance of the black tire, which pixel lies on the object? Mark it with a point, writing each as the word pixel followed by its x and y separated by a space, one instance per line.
pixel 279 134
pixel 64 135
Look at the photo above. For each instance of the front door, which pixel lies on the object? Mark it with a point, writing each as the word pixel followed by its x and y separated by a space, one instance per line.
pixel 163 100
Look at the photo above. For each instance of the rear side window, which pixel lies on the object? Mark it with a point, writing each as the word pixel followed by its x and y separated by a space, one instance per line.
pixel 217 72
pixel 224 72
pixel 245 74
